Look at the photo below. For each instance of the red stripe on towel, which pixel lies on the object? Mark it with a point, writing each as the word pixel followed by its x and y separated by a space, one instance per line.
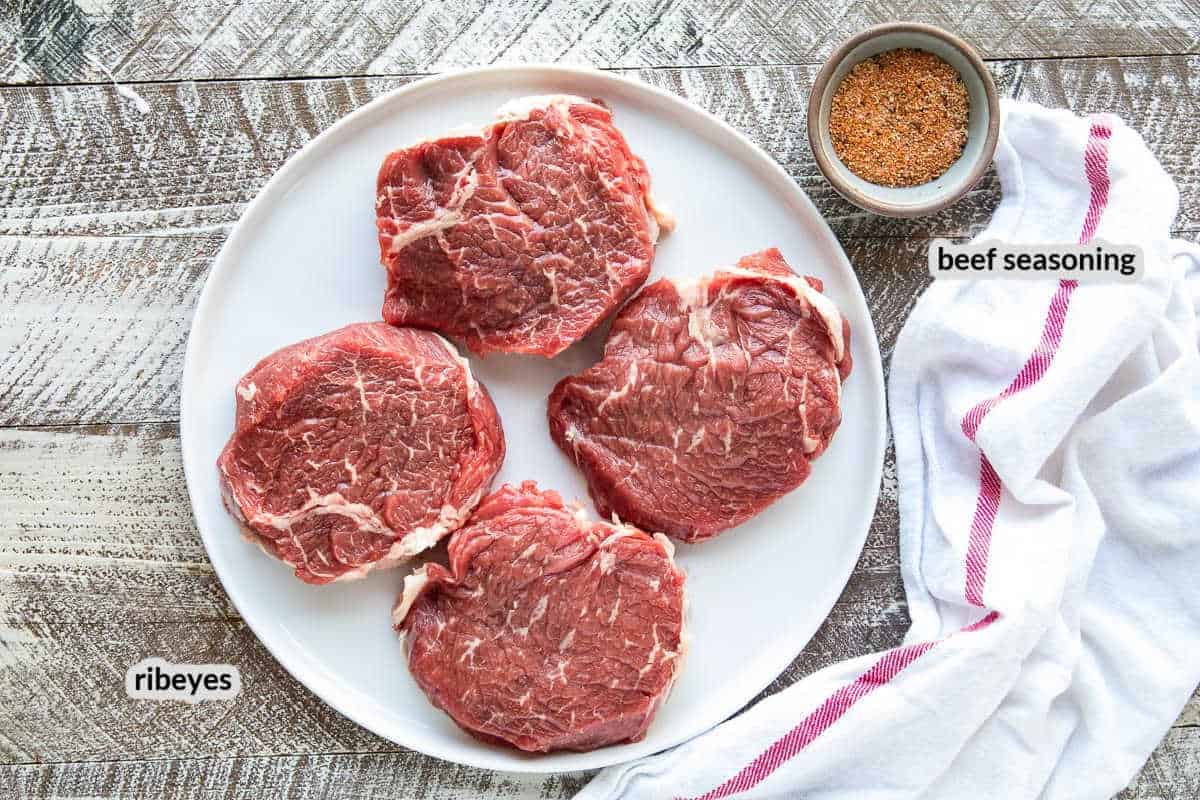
pixel 1095 167
pixel 887 667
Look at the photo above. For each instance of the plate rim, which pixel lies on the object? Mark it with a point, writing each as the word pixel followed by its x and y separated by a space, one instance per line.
pixel 223 262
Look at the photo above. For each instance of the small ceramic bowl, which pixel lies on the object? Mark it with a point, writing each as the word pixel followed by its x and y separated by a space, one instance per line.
pixel 983 124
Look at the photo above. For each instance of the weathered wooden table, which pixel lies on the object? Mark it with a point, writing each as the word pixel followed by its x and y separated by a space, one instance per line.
pixel 109 219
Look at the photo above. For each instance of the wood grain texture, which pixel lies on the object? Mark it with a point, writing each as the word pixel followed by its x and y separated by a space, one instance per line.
pixel 81 161
pixel 95 328
pixel 109 220
pixel 79 711
pixel 340 776
pixel 67 41
pixel 95 525
pixel 1172 771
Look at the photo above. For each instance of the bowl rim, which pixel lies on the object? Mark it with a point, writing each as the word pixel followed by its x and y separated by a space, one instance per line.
pixel 825 159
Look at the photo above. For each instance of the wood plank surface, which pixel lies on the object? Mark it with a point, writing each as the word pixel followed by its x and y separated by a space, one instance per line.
pixel 338 776
pixel 79 711
pixel 110 219
pixel 95 525
pixel 1172 773
pixel 68 41
pixel 94 328
pixel 1173 770
pixel 82 161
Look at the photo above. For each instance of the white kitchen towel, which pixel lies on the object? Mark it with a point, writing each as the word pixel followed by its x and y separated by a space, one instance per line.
pixel 1048 455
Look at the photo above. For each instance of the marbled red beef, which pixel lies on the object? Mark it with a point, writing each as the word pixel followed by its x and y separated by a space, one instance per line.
pixel 520 237
pixel 711 401
pixel 357 449
pixel 549 631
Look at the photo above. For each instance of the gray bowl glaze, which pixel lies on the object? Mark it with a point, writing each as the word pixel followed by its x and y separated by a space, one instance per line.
pixel 983 126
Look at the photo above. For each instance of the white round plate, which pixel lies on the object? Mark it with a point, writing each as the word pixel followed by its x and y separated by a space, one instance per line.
pixel 304 260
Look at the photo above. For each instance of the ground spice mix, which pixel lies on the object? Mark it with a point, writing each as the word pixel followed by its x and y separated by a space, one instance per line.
pixel 899 118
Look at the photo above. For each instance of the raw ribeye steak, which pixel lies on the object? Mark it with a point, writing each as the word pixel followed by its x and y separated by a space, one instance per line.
pixel 548 631
pixel 521 237
pixel 711 400
pixel 357 449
